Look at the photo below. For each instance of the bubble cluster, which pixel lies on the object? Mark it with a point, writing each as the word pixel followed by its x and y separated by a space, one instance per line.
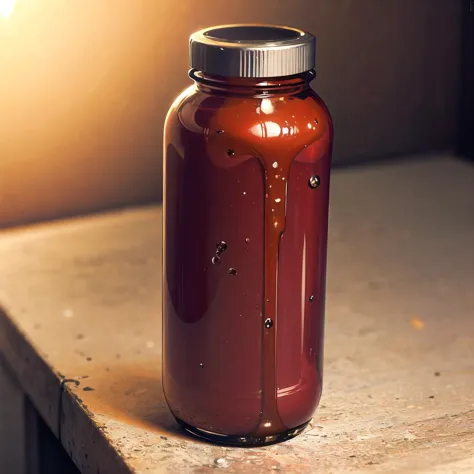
pixel 220 247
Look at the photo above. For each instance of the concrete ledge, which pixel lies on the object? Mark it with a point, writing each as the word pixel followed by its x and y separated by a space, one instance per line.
pixel 80 330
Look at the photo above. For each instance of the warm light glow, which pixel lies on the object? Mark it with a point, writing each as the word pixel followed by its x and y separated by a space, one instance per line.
pixel 6 8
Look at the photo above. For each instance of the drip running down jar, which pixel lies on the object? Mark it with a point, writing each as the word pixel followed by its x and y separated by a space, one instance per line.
pixel 247 152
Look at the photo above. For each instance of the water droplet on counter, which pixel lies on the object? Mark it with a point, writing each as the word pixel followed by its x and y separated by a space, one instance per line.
pixel 314 181
pixel 268 323
pixel 232 271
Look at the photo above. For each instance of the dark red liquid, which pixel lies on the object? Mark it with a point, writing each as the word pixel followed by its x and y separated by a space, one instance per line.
pixel 245 235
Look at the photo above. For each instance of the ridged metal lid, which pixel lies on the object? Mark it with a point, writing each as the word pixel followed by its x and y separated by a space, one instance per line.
pixel 252 51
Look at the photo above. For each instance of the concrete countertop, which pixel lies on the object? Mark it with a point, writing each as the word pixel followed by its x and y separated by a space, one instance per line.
pixel 80 329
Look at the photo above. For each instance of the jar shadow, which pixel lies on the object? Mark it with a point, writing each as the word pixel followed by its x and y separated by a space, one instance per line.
pixel 132 394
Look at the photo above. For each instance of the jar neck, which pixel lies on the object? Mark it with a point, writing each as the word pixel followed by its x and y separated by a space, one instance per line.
pixel 254 87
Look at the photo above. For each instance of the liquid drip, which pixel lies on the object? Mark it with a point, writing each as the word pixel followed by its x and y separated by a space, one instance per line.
pixel 277 158
pixel 276 153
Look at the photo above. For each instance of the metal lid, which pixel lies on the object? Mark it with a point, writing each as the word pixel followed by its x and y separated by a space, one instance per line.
pixel 252 51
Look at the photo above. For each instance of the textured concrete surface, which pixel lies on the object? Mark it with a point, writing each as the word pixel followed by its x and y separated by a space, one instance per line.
pixel 81 333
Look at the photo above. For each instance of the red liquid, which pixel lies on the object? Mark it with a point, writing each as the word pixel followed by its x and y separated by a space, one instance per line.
pixel 245 238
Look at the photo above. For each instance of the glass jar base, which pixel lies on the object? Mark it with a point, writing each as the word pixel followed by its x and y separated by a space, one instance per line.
pixel 242 441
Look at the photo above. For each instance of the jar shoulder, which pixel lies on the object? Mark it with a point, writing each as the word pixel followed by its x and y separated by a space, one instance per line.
pixel 192 102
pixel 256 122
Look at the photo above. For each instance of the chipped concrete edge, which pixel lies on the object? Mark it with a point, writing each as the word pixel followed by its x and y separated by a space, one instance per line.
pixel 31 370
pixel 61 409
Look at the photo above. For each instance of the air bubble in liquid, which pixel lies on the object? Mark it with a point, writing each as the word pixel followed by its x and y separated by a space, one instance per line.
pixel 216 260
pixel 232 271
pixel 311 298
pixel 314 181
pixel 221 247
pixel 268 323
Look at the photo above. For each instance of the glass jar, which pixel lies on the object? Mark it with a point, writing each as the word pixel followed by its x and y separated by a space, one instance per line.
pixel 247 152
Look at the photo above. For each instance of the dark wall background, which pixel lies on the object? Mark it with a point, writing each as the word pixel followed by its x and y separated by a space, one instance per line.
pixel 466 104
pixel 84 88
